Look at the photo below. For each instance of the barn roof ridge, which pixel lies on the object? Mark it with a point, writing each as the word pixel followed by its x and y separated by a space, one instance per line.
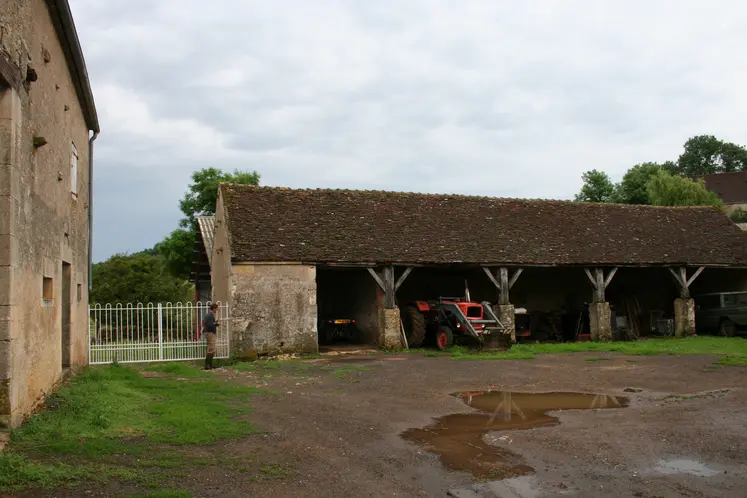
pixel 275 224
pixel 527 200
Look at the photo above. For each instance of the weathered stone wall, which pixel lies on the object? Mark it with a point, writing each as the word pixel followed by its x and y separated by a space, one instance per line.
pixel 273 308
pixel 41 223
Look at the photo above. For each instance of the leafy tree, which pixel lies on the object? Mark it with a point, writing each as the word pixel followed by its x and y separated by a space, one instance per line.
pixel 177 248
pixel 597 187
pixel 133 278
pixel 202 193
pixel 706 154
pixel 666 189
pixel 633 189
pixel 177 251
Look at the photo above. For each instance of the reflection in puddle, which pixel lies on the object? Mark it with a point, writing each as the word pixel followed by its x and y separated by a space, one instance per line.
pixel 458 438
pixel 691 467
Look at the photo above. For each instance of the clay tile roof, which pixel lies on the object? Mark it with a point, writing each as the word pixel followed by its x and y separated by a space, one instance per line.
pixel 345 226
pixel 730 187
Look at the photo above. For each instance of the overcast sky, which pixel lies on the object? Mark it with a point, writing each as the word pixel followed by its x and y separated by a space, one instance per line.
pixel 502 98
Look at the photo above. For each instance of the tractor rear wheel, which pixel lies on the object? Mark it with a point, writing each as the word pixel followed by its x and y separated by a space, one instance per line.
pixel 444 337
pixel 414 323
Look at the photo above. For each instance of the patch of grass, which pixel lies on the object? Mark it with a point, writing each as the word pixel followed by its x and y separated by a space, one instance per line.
pixel 275 470
pixel 732 361
pixel 177 369
pixel 114 414
pixel 686 397
pixel 600 358
pixel 18 472
pixel 105 406
pixel 342 372
pixel 734 349
pixel 673 346
pixel 163 493
pixel 296 367
pixel 495 355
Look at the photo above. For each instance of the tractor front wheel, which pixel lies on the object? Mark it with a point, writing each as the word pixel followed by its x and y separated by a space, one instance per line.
pixel 414 323
pixel 444 338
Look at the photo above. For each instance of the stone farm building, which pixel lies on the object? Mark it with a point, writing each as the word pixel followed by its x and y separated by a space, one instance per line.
pixel 285 259
pixel 46 114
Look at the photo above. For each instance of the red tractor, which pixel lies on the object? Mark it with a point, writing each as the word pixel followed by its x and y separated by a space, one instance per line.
pixel 446 319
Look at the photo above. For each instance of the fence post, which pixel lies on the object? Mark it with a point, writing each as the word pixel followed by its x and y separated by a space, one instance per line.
pixel 88 362
pixel 160 331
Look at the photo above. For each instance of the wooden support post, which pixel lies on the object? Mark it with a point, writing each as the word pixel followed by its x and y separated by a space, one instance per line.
pixel 504 297
pixel 684 283
pixel 376 277
pixel 599 282
pixel 402 278
pixel 386 283
pixel 389 291
pixel 503 282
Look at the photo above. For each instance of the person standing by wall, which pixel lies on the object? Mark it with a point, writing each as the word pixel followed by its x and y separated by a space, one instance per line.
pixel 210 330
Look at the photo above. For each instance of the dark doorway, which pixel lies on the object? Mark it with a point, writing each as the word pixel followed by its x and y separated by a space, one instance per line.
pixel 67 288
pixel 346 307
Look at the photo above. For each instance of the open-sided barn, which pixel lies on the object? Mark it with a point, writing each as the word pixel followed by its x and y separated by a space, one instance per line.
pixel 286 259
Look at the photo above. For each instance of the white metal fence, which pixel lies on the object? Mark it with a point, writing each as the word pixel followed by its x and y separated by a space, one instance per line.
pixel 129 333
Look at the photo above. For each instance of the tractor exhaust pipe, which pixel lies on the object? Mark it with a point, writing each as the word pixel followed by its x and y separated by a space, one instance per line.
pixel 466 292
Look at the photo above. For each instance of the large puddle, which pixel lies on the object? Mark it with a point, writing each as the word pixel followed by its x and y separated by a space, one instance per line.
pixel 459 439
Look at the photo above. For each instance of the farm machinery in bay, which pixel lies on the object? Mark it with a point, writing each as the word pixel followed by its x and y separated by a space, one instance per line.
pixel 447 320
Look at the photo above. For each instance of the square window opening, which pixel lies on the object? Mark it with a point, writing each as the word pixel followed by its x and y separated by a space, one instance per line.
pixel 74 171
pixel 48 290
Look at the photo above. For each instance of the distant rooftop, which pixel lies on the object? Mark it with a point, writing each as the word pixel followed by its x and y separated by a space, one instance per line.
pixel 730 187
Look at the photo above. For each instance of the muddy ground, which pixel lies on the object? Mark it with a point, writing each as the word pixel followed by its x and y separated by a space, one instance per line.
pixel 335 430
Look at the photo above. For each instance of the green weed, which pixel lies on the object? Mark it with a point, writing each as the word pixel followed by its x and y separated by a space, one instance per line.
pixel 601 358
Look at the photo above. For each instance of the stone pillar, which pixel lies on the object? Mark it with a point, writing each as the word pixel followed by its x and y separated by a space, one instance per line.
pixel 600 321
pixel 506 313
pixel 390 331
pixel 684 317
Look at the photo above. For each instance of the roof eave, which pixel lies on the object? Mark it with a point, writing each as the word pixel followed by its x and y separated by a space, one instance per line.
pixel 62 18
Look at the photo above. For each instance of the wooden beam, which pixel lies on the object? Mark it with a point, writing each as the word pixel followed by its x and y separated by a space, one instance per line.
pixel 377 278
pixel 402 278
pixel 609 277
pixel 515 277
pixel 504 297
pixel 591 278
pixel 390 300
pixel 492 278
pixel 695 275
pixel 682 283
